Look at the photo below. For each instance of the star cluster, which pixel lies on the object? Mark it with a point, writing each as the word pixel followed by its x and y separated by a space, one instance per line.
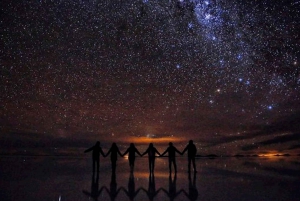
pixel 210 70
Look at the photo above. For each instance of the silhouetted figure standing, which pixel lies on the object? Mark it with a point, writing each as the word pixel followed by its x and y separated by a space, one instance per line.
pixel 97 150
pixel 152 192
pixel 192 151
pixel 151 157
pixel 131 193
pixel 113 151
pixel 171 155
pixel 95 192
pixel 193 192
pixel 131 156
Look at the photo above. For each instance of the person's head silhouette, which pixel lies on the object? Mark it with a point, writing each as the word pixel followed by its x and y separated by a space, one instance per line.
pixel 191 142
pixel 170 144
pixel 131 145
pixel 97 144
pixel 151 145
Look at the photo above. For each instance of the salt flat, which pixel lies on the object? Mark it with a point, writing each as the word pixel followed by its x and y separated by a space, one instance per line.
pixel 71 178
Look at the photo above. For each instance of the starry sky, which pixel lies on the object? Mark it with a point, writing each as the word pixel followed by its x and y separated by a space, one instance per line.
pixel 223 73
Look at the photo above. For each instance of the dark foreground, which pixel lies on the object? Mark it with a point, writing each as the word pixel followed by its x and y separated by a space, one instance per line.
pixel 70 178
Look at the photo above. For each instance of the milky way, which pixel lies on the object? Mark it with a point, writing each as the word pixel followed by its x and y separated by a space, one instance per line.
pixel 225 73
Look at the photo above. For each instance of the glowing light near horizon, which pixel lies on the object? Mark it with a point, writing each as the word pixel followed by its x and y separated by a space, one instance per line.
pixel 157 140
pixel 271 154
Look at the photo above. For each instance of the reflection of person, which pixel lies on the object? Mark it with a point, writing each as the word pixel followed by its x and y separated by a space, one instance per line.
pixel 131 155
pixel 192 150
pixel 171 155
pixel 113 191
pixel 131 193
pixel 193 192
pixel 172 193
pixel 152 192
pixel 151 157
pixel 95 193
pixel 97 150
pixel 113 151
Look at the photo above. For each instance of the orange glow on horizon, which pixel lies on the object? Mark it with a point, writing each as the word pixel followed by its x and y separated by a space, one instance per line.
pixel 271 155
pixel 147 140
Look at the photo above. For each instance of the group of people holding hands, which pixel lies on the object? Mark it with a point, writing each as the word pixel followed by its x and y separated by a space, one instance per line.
pixel 151 151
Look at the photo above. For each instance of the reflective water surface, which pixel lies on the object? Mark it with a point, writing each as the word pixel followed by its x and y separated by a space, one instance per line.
pixel 71 178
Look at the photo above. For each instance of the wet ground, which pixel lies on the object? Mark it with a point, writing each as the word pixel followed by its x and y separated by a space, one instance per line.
pixel 71 178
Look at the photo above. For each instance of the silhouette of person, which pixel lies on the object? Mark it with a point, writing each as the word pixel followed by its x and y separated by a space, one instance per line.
pixel 151 157
pixel 193 192
pixel 151 192
pixel 172 194
pixel 171 155
pixel 113 151
pixel 97 150
pixel 131 155
pixel 131 192
pixel 113 191
pixel 95 193
pixel 192 150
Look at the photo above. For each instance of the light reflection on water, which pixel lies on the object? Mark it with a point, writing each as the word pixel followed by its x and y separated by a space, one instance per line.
pixel 66 178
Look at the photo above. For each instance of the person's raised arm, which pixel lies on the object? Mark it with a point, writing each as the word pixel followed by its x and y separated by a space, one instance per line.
pixel 157 152
pixel 145 152
pixel 185 149
pixel 164 152
pixel 101 152
pixel 119 152
pixel 137 151
pixel 89 149
pixel 107 153
pixel 178 151
pixel 125 153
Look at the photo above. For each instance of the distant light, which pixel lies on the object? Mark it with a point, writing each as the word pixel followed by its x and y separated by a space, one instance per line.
pixel 270 107
pixel 177 66
pixel 240 79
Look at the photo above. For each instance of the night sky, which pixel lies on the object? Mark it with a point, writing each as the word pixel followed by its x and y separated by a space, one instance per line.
pixel 223 73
